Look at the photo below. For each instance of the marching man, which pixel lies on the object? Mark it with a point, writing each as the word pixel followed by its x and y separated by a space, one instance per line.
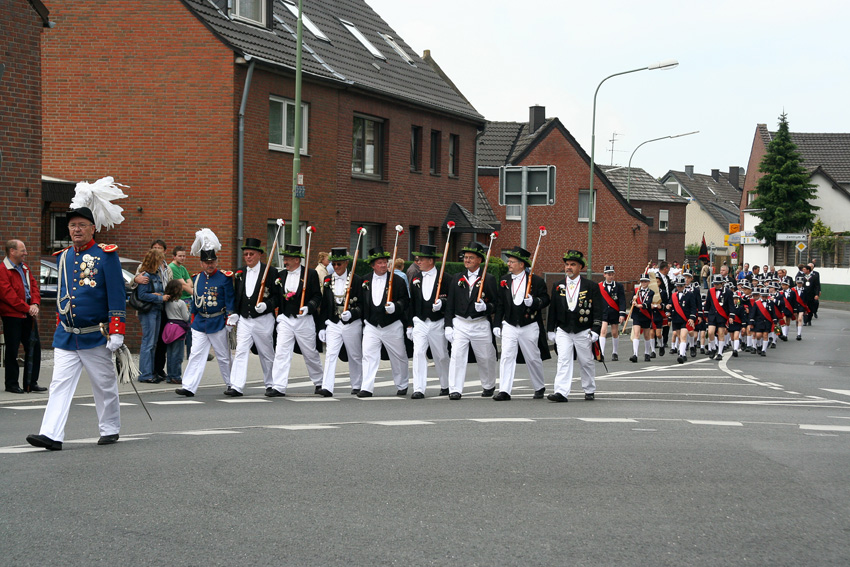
pixel 90 304
pixel 718 304
pixel 212 315
pixel 614 314
pixel 683 316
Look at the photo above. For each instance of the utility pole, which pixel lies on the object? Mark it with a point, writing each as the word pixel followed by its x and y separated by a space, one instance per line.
pixel 295 234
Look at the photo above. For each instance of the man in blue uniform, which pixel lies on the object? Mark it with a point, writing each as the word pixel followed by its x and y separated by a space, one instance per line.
pixel 90 305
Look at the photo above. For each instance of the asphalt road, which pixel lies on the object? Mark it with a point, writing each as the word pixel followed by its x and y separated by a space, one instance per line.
pixel 744 461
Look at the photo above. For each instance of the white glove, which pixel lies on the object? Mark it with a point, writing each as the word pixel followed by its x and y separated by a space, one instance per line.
pixel 232 319
pixel 528 301
pixel 437 305
pixel 345 316
pixel 551 336
pixel 390 307
pixel 480 306
pixel 303 311
pixel 409 333
pixel 114 342
pixel 497 332
pixel 323 335
pixel 261 307
pixel 594 336
pixel 450 334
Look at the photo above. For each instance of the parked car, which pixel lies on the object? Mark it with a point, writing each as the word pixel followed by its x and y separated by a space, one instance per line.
pixel 49 276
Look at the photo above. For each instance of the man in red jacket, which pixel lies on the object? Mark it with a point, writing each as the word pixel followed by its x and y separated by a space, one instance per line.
pixel 19 301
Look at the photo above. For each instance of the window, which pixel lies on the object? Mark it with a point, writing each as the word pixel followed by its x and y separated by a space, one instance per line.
pixel 362 39
pixel 663 220
pixel 283 237
pixel 662 254
pixel 435 152
pixel 416 148
pixel 314 29
pixel 282 125
pixel 432 236
pixel 372 238
pixel 583 198
pixel 252 10
pixel 60 237
pixel 514 212
pixel 751 195
pixel 412 240
pixel 397 48
pixel 454 141
pixel 368 146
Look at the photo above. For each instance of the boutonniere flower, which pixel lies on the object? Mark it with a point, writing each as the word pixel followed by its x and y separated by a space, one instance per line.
pixel 238 273
pixel 365 284
pixel 290 295
pixel 562 286
pixel 461 281
pixel 417 282
pixel 327 282
pixel 504 283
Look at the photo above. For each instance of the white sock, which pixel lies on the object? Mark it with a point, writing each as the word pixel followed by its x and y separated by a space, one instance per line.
pixel 784 330
pixel 602 343
pixel 615 341
pixel 682 349
pixel 736 344
pixel 636 345
pixel 799 330
pixel 764 345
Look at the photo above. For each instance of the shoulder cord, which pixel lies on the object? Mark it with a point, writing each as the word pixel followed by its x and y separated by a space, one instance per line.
pixel 195 297
pixel 63 276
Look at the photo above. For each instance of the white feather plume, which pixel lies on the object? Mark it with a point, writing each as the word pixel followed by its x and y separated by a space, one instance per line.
pixel 205 239
pixel 97 196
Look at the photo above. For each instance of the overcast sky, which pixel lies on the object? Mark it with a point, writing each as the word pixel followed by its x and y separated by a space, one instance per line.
pixel 740 64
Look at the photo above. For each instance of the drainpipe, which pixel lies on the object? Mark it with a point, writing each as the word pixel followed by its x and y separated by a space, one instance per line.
pixel 475 188
pixel 240 175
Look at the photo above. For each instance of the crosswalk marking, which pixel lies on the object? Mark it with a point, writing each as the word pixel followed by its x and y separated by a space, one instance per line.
pixel 302 427
pixel 503 420
pixel 245 401
pixel 711 422
pixel 842 392
pixel 176 403
pixel 607 419
pixel 402 422
pixel 824 427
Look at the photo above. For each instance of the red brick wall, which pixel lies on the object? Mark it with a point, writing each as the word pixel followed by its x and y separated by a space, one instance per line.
pixel 614 242
pixel 673 239
pixel 757 153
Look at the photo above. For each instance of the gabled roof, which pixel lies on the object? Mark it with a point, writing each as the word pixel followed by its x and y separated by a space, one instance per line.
pixel 465 221
pixel 718 197
pixel 343 60
pixel 504 143
pixel 641 187
pixel 483 210
pixel 830 151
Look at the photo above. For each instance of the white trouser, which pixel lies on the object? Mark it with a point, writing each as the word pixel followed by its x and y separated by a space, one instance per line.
pixel 201 343
pixel 429 334
pixel 67 367
pixel 392 338
pixel 289 330
pixel 476 333
pixel 351 336
pixel 249 332
pixel 583 347
pixel 525 338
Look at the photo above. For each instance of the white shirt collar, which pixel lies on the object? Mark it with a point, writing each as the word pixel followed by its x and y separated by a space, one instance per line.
pixel 431 272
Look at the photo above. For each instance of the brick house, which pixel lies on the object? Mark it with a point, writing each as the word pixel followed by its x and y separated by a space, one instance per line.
pixel 619 230
pixel 151 92
pixel 653 200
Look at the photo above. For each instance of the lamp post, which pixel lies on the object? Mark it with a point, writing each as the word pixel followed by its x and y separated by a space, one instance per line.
pixel 629 175
pixel 295 234
pixel 669 64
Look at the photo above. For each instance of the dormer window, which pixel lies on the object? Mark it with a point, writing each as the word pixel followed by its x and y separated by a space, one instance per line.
pixel 362 39
pixel 253 11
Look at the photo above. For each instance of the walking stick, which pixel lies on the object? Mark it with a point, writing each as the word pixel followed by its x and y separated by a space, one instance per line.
pixel 280 223
pixel 398 230
pixel 493 236
pixel 310 230
pixel 450 225
pixel 360 232
pixel 543 232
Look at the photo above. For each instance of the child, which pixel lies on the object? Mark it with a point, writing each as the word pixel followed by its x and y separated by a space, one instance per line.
pixel 176 313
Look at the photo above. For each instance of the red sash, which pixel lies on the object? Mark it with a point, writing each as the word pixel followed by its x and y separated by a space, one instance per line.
pixel 607 297
pixel 787 303
pixel 764 311
pixel 717 306
pixel 681 312
pixel 642 309
pixel 800 301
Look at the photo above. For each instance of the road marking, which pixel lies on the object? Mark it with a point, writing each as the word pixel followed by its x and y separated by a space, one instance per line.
pixel 842 392
pixel 378 398
pixel 502 420
pixel 825 427
pixel 95 405
pixel 25 407
pixel 402 422
pixel 322 400
pixel 203 432
pixel 607 419
pixel 245 401
pixel 301 427
pixel 710 422
pixel 176 403
pixel 642 429
pixel 13 450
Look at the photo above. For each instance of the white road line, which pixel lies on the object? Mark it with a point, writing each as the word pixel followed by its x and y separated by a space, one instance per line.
pixel 607 419
pixel 380 398
pixel 402 422
pixel 842 392
pixel 303 427
pixel 203 432
pixel 825 427
pixel 13 450
pixel 710 422
pixel 245 401
pixel 120 404
pixel 176 403
pixel 321 400
pixel 503 420
pixel 24 407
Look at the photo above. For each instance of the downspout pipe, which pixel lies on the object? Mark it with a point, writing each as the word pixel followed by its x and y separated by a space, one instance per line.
pixel 240 174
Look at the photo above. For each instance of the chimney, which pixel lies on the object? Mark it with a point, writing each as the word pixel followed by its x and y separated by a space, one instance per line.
pixel 715 174
pixel 689 171
pixel 734 176
pixel 536 118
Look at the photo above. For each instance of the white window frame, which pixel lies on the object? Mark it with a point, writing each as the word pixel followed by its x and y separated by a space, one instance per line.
pixel 55 242
pixel 663 220
pixel 662 254
pixel 513 212
pixel 314 29
pixel 595 201
pixel 378 154
pixel 305 121
pixel 234 12
pixel 397 48
pixel 362 39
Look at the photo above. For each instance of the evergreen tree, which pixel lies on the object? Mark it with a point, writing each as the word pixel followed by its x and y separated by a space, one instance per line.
pixel 784 194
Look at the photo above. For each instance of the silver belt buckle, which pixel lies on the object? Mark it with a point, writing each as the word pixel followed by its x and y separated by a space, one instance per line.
pixel 76 330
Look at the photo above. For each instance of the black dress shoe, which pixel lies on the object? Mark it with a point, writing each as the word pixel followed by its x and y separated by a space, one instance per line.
pixel 444 392
pixel 589 397
pixel 454 396
pixel 614 357
pixel 107 439
pixel 417 396
pixel 681 359
pixel 36 388
pixel 672 351
pixel 652 354
pixel 501 397
pixel 488 393
pixel 702 350
pixel 326 393
pixel 773 345
pixel 718 357
pixel 799 338
pixel 355 391
pixel 557 397
pixel 647 358
pixel 269 389
pixel 317 389
pixel 184 392
pixel 364 394
pixel 633 358
pixel 735 353
pixel 228 391
pixel 272 393
pixel 401 392
pixel 44 442
pixel 538 394
pixel 234 393
pixel 660 352
pixel 783 338
pixel 15 390
pixel 693 352
pixel 762 353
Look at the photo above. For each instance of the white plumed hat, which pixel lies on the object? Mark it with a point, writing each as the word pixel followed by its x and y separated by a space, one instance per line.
pixel 93 202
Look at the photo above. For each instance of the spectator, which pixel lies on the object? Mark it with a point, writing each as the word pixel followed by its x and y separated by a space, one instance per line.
pixel 177 312
pixel 19 301
pixel 744 273
pixel 165 277
pixel 322 266
pixel 154 293
pixel 398 269
pixel 704 274
pixel 179 272
pixel 675 271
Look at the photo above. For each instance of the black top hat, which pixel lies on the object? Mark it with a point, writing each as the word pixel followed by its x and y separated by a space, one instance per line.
pixel 717 279
pixel 339 254
pixel 575 256
pixel 84 212
pixel 293 251
pixel 476 248
pixel 253 244
pixel 644 277
pixel 427 251
pixel 520 254
pixel 377 253
pixel 608 270
pixel 208 256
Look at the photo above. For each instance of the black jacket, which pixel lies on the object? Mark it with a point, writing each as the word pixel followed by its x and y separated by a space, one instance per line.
pixel 243 305
pixel 312 297
pixel 329 306
pixel 589 300
pixel 377 314
pixel 461 300
pixel 520 315
pixel 422 306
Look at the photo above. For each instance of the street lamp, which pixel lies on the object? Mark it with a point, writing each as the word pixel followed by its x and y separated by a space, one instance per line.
pixel 668 64
pixel 629 176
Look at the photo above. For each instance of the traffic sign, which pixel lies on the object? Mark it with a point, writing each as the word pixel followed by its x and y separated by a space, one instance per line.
pixel 790 236
pixel 801 246
pixel 734 227
pixel 734 255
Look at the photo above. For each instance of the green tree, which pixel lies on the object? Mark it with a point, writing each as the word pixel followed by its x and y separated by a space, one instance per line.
pixel 823 239
pixel 783 195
